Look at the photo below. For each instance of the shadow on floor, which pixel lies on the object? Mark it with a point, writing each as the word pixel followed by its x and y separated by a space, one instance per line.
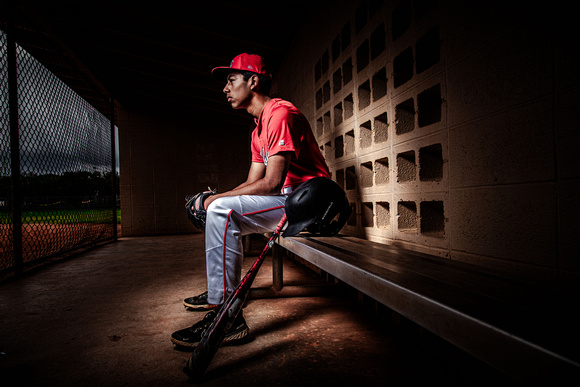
pixel 104 318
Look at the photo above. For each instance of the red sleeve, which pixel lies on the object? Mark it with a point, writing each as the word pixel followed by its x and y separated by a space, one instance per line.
pixel 280 137
pixel 256 157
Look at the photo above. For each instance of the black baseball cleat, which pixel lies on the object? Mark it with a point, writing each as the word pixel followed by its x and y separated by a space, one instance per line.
pixel 198 303
pixel 190 337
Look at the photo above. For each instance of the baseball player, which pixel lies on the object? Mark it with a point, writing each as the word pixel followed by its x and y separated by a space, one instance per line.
pixel 284 155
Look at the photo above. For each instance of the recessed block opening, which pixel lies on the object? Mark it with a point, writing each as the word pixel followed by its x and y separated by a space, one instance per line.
pixel 335 48
pixel 347 71
pixel 317 71
pixel 381 128
pixel 401 18
pixel 340 177
pixel 337 81
pixel 361 17
pixel 350 177
pixel 366 174
pixel 424 7
pixel 338 114
pixel 367 216
pixel 326 121
pixel 383 217
pixel 352 219
pixel 365 132
pixel 429 106
pixel 407 216
pixel 338 147
pixel 379 84
pixel 382 171
pixel 378 41
pixel 362 56
pixel 431 163
pixel 319 126
pixel 327 150
pixel 348 104
pixel 326 92
pixel 319 98
pixel 405 117
pixel 364 95
pixel 432 218
pixel 428 50
pixel 406 167
pixel 324 62
pixel 345 36
pixel 403 67
pixel 349 143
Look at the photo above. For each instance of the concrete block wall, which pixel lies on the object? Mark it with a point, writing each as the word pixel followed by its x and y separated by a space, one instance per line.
pixel 449 125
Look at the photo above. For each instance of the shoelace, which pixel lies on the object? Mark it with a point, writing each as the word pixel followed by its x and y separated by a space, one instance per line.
pixel 201 298
pixel 204 324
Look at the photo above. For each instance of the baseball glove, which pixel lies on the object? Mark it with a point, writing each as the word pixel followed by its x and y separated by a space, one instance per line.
pixel 195 210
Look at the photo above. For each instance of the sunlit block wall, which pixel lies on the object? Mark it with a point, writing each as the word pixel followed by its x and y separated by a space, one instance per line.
pixel 449 126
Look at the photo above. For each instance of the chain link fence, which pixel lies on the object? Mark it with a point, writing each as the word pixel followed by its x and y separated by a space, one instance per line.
pixel 64 193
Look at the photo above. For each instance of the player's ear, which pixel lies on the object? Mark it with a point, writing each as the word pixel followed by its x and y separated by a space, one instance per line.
pixel 254 82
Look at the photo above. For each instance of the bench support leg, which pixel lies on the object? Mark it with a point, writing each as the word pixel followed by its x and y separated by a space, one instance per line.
pixel 278 267
pixel 278 290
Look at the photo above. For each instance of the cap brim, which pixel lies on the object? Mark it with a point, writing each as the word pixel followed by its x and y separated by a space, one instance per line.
pixel 221 73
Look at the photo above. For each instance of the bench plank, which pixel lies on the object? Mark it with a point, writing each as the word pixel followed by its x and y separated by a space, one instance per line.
pixel 509 324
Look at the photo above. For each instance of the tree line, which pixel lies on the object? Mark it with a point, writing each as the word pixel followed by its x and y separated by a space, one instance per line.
pixel 78 184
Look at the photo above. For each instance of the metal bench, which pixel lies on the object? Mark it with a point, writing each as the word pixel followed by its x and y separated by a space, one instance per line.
pixel 527 332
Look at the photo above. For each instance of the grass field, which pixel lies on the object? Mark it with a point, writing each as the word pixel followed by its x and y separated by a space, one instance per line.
pixel 64 216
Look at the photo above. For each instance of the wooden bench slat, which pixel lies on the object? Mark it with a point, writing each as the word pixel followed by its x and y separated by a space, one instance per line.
pixel 454 300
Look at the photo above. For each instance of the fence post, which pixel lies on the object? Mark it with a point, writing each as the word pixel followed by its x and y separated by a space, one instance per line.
pixel 113 168
pixel 14 142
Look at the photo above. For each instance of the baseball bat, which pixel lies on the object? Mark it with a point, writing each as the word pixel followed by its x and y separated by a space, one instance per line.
pixel 213 337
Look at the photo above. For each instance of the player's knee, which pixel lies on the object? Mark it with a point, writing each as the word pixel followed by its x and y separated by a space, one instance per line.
pixel 220 205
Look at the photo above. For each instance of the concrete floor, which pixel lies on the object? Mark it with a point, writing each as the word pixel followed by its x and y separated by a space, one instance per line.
pixel 104 318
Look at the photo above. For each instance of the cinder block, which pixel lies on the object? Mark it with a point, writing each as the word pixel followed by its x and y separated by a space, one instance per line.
pixel 405 117
pixel 338 114
pixel 379 84
pixel 499 76
pixel 569 226
pixel 432 215
pixel 367 214
pixel 365 134
pixel 511 222
pixel 348 107
pixel 378 41
pixel 366 175
pixel 382 171
pixel 364 95
pixel 383 215
pixel 406 167
pixel 350 177
pixel 381 128
pixel 512 147
pixel 407 217
pixel 568 134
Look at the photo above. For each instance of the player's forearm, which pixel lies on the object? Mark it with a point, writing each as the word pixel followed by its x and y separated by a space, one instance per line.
pixel 259 187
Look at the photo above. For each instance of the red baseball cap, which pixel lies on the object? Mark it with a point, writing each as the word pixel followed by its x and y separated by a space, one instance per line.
pixel 242 62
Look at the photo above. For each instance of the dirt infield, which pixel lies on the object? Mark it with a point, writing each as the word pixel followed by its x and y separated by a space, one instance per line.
pixel 48 239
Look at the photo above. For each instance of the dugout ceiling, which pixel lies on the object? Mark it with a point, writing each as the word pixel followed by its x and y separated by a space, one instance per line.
pixel 152 56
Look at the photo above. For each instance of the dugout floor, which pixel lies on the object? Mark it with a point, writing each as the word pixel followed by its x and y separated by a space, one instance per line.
pixel 104 318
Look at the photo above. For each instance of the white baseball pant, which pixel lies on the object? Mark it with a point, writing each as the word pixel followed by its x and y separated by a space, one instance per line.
pixel 228 219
